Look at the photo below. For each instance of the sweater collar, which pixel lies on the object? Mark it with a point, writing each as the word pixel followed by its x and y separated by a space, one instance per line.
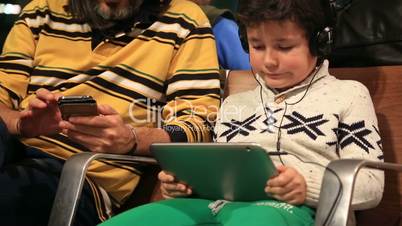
pixel 318 73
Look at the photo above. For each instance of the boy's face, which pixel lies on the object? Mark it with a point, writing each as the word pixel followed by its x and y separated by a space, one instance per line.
pixel 279 52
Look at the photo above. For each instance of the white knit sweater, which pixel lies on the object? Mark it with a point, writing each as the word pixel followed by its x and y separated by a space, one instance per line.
pixel 323 119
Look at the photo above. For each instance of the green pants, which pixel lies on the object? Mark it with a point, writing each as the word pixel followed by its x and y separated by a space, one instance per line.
pixel 189 212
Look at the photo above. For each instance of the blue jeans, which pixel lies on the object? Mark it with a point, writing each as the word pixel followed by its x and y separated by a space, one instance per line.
pixel 28 184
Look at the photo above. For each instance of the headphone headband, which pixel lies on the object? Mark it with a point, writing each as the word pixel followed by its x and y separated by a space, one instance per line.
pixel 322 43
pixel 329 8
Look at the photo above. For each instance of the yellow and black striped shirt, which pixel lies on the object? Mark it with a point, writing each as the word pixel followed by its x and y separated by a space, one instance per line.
pixel 170 67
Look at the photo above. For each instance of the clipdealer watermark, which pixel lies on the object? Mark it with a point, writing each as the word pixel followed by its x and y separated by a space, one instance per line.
pixel 160 114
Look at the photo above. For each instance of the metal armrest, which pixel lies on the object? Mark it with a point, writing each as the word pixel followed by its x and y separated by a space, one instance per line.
pixel 339 178
pixel 72 181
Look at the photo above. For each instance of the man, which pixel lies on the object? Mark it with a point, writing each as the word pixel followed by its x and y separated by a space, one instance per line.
pixel 136 59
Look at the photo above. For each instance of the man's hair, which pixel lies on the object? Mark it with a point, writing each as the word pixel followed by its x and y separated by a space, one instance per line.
pixel 83 10
pixel 306 13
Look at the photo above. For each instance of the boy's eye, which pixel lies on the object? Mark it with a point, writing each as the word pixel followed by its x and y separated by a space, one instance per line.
pixel 285 48
pixel 257 47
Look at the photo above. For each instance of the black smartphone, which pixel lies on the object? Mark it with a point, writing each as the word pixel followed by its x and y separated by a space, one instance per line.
pixel 77 106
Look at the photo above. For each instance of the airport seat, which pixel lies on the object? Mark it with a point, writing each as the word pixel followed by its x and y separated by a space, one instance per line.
pixel 384 84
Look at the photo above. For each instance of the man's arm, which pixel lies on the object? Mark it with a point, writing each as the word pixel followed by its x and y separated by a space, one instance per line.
pixel 193 87
pixel 147 136
pixel 15 68
pixel 10 118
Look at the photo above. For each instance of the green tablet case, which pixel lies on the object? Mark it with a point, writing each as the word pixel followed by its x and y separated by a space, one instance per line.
pixel 229 171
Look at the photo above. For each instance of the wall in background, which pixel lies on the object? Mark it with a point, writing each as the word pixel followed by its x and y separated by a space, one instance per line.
pixel 9 11
pixel 227 4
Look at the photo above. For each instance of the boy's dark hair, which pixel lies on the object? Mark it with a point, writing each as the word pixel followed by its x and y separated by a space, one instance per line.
pixel 83 11
pixel 308 14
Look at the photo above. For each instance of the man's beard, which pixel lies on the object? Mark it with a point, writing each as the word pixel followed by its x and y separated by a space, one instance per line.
pixel 112 14
pixel 116 13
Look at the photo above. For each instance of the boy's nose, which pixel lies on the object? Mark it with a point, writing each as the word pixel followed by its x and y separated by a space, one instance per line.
pixel 270 59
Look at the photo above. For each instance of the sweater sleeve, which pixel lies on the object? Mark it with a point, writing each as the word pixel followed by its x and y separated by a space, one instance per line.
pixel 359 138
pixel 193 90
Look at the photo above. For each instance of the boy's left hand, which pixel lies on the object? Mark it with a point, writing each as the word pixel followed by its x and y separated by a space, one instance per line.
pixel 170 188
pixel 288 186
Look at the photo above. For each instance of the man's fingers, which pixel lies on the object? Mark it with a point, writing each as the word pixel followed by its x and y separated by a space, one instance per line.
pixel 37 104
pixel 45 95
pixel 57 95
pixel 25 114
pixel 92 143
pixel 83 129
pixel 106 110
pixel 100 121
pixel 43 98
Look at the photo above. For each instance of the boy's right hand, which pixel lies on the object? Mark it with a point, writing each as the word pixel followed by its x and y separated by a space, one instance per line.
pixel 288 186
pixel 171 188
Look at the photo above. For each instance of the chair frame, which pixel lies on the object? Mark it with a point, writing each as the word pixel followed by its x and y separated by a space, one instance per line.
pixel 72 181
pixel 339 178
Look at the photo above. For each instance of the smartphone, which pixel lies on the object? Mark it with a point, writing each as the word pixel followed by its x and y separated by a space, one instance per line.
pixel 77 106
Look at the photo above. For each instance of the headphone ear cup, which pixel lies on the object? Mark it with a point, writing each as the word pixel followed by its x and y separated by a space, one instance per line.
pixel 323 43
pixel 243 37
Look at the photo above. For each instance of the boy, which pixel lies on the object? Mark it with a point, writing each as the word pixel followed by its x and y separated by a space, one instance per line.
pixel 298 109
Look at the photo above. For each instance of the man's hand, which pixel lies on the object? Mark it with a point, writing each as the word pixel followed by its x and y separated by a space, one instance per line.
pixel 288 186
pixel 170 188
pixel 105 133
pixel 42 116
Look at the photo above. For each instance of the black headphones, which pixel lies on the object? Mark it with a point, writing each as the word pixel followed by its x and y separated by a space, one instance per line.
pixel 321 43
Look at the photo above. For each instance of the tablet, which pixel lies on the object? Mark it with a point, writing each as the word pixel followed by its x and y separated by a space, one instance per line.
pixel 229 171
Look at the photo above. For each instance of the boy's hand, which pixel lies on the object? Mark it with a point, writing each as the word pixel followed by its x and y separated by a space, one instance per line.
pixel 288 186
pixel 171 188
